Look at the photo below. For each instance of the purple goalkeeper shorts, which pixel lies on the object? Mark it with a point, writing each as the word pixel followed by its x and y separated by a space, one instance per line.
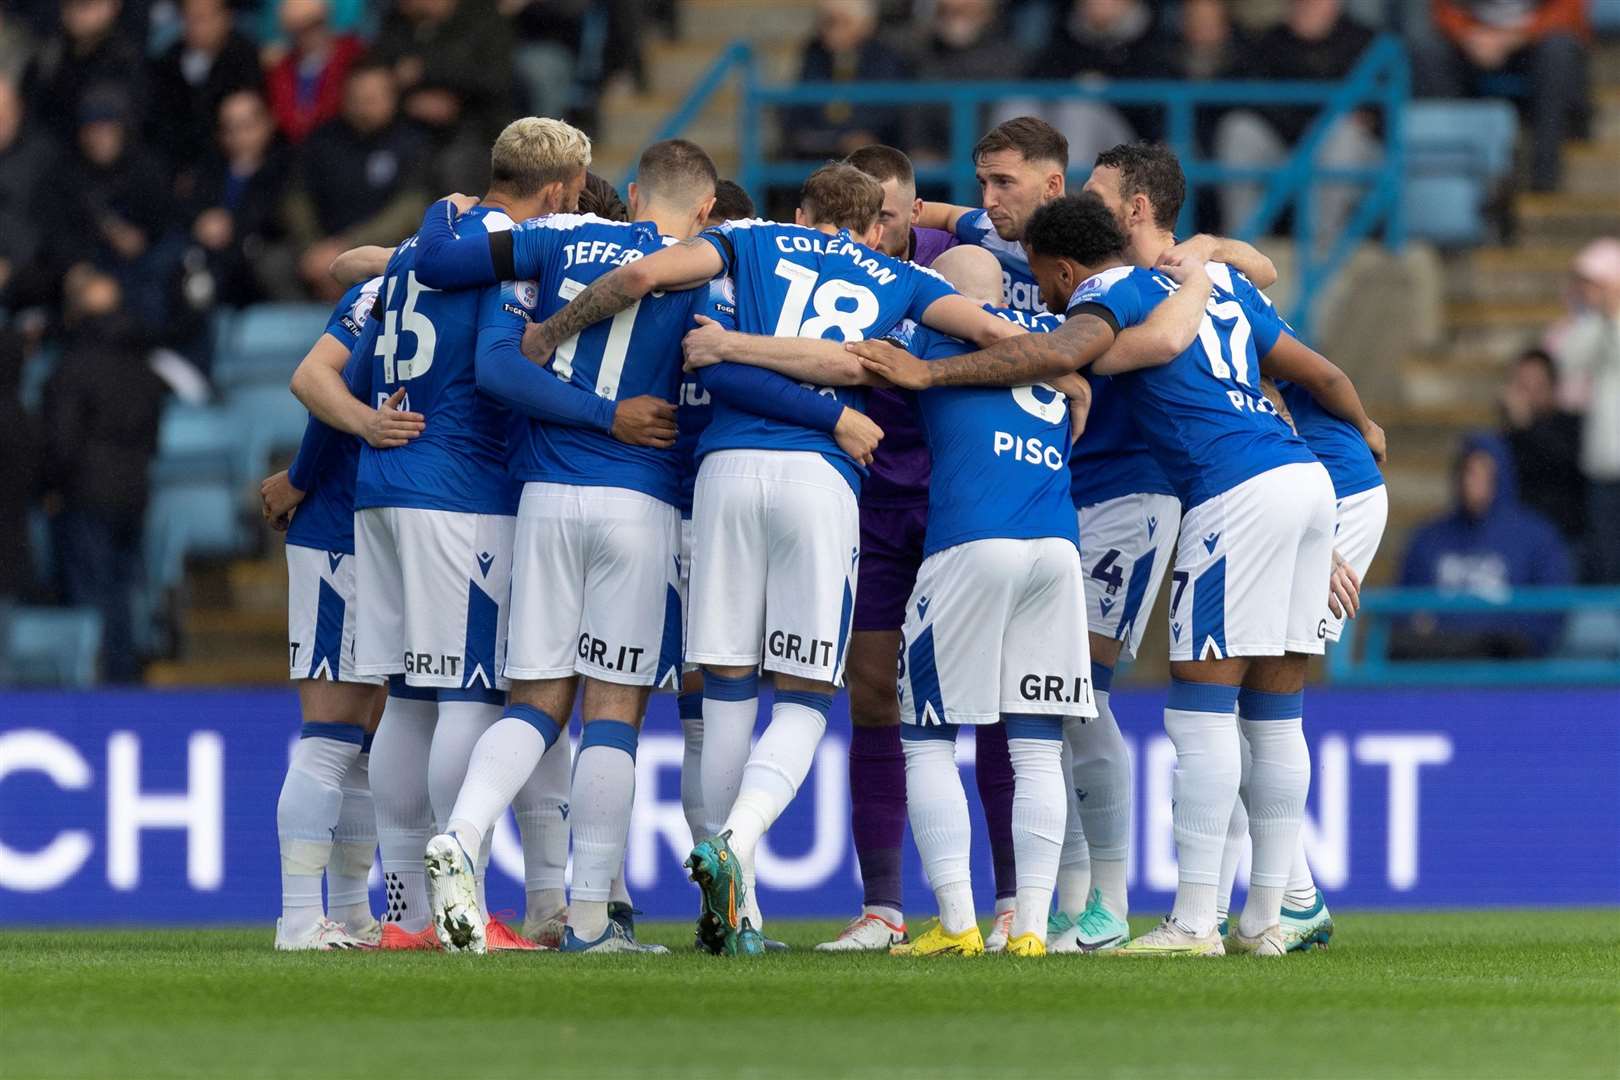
pixel 891 553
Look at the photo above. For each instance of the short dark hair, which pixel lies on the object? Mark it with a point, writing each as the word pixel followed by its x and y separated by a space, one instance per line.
pixel 1078 227
pixel 599 197
pixel 731 202
pixel 1150 169
pixel 1538 355
pixel 1031 136
pixel 883 163
pixel 676 168
pixel 841 195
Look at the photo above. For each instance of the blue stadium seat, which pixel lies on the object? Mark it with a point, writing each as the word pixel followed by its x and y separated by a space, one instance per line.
pixel 1592 633
pixel 1605 16
pixel 49 646
pixel 202 518
pixel 1456 151
pixel 195 442
pixel 265 419
pixel 263 344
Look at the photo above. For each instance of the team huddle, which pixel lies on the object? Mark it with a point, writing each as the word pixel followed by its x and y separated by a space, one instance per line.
pixel 563 451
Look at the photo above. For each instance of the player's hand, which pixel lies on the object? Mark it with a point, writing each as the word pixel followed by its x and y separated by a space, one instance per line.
pixel 537 344
pixel 1375 442
pixel 1075 387
pixel 388 427
pixel 705 345
pixel 279 500
pixel 1183 271
pixel 1199 248
pixel 892 363
pixel 1344 589
pixel 461 203
pixel 645 421
pixel 857 435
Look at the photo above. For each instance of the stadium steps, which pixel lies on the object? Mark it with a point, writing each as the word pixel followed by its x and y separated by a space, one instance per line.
pixel 233 625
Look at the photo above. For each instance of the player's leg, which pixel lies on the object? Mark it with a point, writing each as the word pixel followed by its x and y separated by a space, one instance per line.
pixel 541 809
pixel 891 552
pixel 936 803
pixel 993 776
pixel 354 843
pixel 1272 703
pixel 1201 720
pixel 689 705
pixel 726 621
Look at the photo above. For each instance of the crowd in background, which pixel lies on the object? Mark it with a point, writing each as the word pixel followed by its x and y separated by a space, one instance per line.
pixel 159 158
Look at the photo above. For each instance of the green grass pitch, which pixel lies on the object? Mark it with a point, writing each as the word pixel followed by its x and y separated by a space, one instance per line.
pixel 1466 994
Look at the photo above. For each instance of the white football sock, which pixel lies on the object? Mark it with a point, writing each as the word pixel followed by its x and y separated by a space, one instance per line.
pixel 1279 780
pixel 348 875
pixel 461 725
pixel 1201 720
pixel 1301 894
pixel 541 808
pixel 603 794
pixel 399 790
pixel 936 806
pixel 307 815
pixel 1039 816
pixel 502 761
pixel 1237 836
pixel 1074 866
pixel 776 768
pixel 730 709
pixel 691 710
pixel 1102 769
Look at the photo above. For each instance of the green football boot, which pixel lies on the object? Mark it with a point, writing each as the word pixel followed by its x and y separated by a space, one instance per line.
pixel 1308 929
pixel 718 874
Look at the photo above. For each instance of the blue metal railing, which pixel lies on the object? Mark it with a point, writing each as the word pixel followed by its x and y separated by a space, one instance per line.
pixel 1379 81
pixel 1362 656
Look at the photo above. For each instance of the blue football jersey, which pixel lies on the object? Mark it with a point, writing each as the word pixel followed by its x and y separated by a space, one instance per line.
pixel 1202 414
pixel 793 281
pixel 636 352
pixel 1112 459
pixel 1335 442
pixel 428 343
pixel 325 519
pixel 1018 288
pixel 1000 455
pixel 696 407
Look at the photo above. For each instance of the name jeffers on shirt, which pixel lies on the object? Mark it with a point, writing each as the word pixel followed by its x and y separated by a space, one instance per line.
pixel 599 251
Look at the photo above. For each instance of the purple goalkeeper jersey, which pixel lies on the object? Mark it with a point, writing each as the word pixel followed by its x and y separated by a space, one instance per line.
pixel 898 475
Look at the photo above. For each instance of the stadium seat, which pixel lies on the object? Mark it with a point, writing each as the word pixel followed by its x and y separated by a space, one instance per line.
pixel 198 518
pixel 1605 16
pixel 42 646
pixel 1592 633
pixel 263 344
pixel 1456 152
pixel 264 419
pixel 195 442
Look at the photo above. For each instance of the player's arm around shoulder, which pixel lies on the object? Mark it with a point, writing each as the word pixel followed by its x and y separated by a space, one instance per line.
pixel 1293 360
pixel 1243 257
pixel 810 360
pixel 944 216
pixel 1169 328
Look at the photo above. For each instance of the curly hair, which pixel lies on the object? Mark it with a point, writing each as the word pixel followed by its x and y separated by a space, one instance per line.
pixel 600 198
pixel 1150 169
pixel 1078 227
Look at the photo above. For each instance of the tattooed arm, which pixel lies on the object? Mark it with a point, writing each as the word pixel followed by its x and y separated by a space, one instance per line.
pixel 1015 361
pixel 683 266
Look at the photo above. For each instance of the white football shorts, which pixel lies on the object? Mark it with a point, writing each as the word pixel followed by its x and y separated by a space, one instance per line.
pixel 683 588
pixel 1252 566
pixel 321 615
pixel 594 585
pixel 993 627
pixel 437 584
pixel 1361 519
pixel 775 535
pixel 1126 545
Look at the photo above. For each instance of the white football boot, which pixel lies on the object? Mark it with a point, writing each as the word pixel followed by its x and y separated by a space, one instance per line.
pixel 324 936
pixel 1170 938
pixel 1000 931
pixel 866 933
pixel 453 896
pixel 1269 942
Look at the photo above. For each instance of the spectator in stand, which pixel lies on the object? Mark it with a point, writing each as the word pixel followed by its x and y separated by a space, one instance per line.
pixel 1316 41
pixel 306 84
pixel 101 410
pixel 452 60
pixel 29 164
pixel 236 219
pixel 1487 545
pixel 22 448
pixel 209 61
pixel 1589 362
pixel 965 41
pixel 1545 442
pixel 120 196
pixel 845 49
pixel 16 46
pixel 1542 40
pixel 1099 40
pixel 549 36
pixel 361 179
pixel 87 51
